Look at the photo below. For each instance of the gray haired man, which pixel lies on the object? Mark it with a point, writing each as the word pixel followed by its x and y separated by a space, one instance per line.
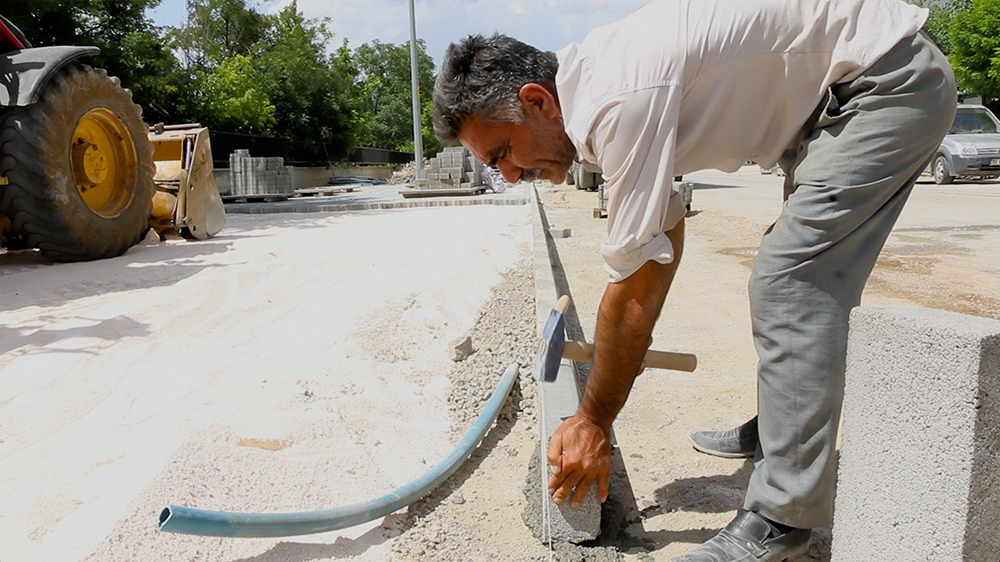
pixel 846 95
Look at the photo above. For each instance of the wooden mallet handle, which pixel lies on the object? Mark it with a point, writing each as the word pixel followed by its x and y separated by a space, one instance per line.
pixel 580 351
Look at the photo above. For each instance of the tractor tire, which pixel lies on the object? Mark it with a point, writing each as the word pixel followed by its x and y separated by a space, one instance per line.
pixel 79 168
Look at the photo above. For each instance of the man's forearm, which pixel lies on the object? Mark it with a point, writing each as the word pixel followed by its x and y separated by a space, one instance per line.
pixel 625 323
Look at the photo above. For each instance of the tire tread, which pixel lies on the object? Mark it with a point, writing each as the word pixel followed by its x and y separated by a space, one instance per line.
pixel 39 197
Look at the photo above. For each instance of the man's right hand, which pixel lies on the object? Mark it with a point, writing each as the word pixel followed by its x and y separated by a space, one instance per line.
pixel 579 455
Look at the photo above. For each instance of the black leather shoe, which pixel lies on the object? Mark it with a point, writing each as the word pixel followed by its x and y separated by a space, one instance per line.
pixel 736 443
pixel 750 538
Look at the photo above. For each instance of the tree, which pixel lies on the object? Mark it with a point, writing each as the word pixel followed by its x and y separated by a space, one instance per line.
pixel 232 100
pixel 974 37
pixel 431 143
pixel 939 22
pixel 244 71
pixel 311 93
pixel 288 87
pixel 131 47
pixel 382 86
pixel 216 30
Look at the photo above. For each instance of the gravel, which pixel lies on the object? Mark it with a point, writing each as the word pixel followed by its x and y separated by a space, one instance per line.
pixel 452 524
pixel 504 333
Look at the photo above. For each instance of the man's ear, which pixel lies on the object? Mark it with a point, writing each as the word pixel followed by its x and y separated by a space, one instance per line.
pixel 533 95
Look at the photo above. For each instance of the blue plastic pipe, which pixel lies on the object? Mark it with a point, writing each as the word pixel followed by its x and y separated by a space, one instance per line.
pixel 189 521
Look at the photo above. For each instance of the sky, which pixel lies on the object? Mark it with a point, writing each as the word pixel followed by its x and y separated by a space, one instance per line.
pixel 546 24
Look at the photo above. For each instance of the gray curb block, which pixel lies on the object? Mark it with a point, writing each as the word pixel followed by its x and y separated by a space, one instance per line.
pixel 919 471
pixel 557 400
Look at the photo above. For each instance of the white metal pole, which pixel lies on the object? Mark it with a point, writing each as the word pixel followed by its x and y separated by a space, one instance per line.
pixel 418 141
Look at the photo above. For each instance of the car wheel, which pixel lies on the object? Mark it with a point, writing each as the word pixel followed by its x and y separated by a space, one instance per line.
pixel 942 174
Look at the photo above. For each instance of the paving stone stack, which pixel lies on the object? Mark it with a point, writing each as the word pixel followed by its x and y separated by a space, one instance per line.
pixel 454 168
pixel 252 176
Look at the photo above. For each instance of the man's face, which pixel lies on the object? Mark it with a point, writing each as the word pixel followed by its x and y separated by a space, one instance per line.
pixel 535 148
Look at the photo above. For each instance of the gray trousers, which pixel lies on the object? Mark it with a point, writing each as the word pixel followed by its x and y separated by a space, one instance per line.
pixel 847 178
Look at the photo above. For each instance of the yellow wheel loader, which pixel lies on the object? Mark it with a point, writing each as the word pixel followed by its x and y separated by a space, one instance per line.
pixel 82 177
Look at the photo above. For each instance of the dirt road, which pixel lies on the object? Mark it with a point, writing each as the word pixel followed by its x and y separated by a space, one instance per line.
pixel 943 254
pixel 299 362
pixel 295 362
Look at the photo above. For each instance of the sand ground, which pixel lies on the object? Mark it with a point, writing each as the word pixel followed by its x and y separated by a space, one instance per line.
pixel 295 362
pixel 259 371
pixel 942 254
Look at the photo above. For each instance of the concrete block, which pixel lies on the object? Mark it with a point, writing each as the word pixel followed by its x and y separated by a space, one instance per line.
pixel 686 189
pixel 258 176
pixel 557 400
pixel 919 474
pixel 560 232
pixel 557 523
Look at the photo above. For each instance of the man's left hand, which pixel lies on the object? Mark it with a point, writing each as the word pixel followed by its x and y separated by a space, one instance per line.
pixel 579 455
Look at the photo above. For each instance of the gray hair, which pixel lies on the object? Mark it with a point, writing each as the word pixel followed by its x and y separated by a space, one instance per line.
pixel 482 76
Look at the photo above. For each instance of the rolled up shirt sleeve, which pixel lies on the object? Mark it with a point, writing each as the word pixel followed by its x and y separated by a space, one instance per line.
pixel 633 137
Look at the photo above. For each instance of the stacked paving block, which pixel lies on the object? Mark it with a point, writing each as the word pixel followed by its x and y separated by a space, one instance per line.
pixel 257 176
pixel 919 475
pixel 454 168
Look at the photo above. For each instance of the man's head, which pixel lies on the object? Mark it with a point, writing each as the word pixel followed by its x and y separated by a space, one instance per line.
pixel 497 97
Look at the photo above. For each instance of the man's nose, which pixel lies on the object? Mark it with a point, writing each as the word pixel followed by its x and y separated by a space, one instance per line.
pixel 510 172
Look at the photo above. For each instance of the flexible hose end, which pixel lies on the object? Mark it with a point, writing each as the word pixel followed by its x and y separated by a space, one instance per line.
pixel 164 517
pixel 188 521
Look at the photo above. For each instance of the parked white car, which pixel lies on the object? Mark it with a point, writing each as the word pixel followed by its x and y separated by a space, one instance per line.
pixel 971 149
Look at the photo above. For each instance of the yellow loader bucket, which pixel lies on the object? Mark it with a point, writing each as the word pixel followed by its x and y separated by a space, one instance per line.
pixel 187 199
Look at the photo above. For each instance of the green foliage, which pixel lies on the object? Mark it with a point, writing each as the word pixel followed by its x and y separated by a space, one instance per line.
pixel 310 92
pixel 968 31
pixel 216 30
pixel 240 70
pixel 975 48
pixel 232 101
pixel 131 47
pixel 431 143
pixel 938 23
pixel 384 95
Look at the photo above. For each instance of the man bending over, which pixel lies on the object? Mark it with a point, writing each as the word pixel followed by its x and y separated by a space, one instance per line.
pixel 846 95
